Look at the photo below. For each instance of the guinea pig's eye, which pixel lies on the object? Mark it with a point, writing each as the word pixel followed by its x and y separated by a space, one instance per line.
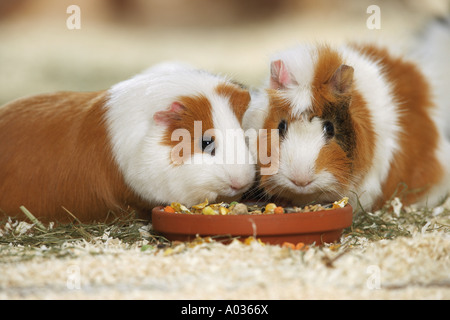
pixel 328 129
pixel 208 145
pixel 282 128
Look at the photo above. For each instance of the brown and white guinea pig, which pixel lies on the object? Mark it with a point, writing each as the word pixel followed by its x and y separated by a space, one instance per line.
pixel 351 121
pixel 112 150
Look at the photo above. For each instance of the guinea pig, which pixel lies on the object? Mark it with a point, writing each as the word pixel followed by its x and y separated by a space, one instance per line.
pixel 351 121
pixel 149 140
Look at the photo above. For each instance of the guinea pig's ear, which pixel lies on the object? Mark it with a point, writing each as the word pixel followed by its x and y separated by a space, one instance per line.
pixel 167 116
pixel 342 79
pixel 279 75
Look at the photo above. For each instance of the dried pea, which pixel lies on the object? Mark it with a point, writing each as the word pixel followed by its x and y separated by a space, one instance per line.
pixel 239 208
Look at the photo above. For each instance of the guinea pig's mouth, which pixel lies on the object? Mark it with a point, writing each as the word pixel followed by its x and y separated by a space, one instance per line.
pixel 285 185
pixel 231 194
pixel 289 198
pixel 235 190
pixel 282 189
pixel 210 195
pixel 299 187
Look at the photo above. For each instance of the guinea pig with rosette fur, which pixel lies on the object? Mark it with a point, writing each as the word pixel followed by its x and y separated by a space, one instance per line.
pixel 352 120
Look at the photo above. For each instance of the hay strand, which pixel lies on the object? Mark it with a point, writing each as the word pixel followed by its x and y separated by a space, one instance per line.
pixel 33 219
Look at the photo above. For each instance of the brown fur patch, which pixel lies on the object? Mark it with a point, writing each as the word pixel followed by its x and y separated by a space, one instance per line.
pixel 354 131
pixel 197 108
pixel 363 127
pixel 415 164
pixel 327 63
pixel 239 98
pixel 55 152
pixel 279 109
pixel 334 160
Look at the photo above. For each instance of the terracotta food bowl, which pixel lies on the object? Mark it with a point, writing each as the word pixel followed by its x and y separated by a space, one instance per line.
pixel 319 227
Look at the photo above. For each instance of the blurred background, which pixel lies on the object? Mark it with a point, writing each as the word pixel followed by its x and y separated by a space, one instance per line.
pixel 118 38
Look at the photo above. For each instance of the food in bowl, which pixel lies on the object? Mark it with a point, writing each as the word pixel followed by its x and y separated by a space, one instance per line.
pixel 238 208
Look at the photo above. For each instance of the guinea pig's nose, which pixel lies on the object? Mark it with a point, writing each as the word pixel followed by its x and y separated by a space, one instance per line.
pixel 301 183
pixel 237 185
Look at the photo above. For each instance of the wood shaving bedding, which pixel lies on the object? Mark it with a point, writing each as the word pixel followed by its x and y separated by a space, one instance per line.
pixel 404 268
pixel 414 263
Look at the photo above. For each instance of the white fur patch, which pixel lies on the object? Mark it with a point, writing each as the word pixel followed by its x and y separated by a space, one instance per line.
pixel 254 118
pixel 431 52
pixel 301 147
pixel 300 62
pixel 370 81
pixel 442 189
pixel 257 111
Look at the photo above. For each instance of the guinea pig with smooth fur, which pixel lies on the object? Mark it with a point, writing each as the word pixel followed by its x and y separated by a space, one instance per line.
pixel 351 121
pixel 95 152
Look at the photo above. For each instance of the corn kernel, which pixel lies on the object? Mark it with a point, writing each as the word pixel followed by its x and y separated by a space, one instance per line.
pixel 209 211
pixel 270 208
